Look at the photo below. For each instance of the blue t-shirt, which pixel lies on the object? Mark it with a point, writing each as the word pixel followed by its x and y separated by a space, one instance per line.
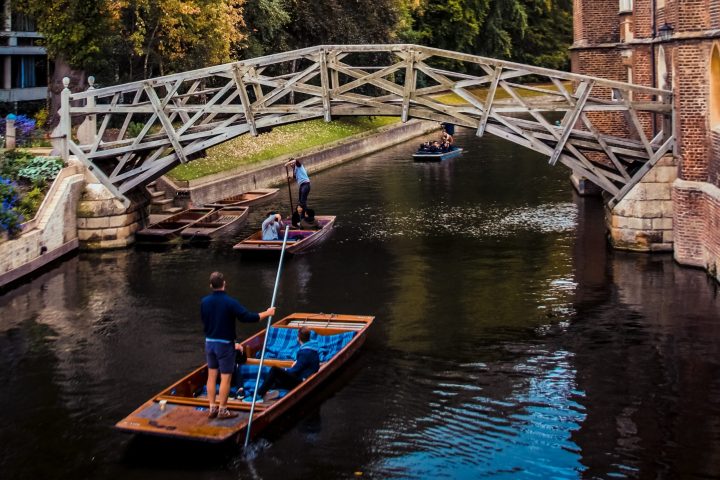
pixel 219 312
pixel 271 228
pixel 301 175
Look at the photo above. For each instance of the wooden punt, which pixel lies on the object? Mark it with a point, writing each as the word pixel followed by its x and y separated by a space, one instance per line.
pixel 298 240
pixel 171 226
pixel 177 412
pixel 246 199
pixel 215 223
pixel 421 156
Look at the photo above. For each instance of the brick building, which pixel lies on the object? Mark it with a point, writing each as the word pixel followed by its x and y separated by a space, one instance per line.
pixel 672 44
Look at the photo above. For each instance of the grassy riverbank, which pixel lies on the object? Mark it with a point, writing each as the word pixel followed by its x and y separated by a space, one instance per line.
pixel 282 140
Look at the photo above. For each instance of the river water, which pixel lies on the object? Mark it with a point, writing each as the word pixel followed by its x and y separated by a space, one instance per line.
pixel 509 341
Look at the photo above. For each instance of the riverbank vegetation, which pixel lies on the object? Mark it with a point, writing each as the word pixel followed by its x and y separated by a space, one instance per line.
pixel 24 181
pixel 283 140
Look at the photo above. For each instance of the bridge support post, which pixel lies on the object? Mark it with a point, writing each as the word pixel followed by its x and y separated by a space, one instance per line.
pixel 103 220
pixel 643 220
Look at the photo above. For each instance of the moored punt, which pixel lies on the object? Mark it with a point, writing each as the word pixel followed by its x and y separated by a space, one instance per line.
pixel 298 240
pixel 217 222
pixel 245 199
pixel 180 411
pixel 171 226
pixel 427 156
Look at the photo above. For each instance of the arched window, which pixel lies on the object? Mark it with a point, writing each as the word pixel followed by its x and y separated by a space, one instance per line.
pixel 715 87
pixel 662 76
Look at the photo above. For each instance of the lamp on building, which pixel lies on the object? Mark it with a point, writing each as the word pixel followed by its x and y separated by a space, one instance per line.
pixel 666 31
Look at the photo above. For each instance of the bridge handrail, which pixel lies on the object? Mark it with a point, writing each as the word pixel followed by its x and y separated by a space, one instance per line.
pixel 432 51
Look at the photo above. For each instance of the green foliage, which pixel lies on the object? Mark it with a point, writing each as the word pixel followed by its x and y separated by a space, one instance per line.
pixel 12 161
pixel 536 32
pixel 266 21
pixel 30 202
pixel 41 117
pixel 41 169
pixel 134 129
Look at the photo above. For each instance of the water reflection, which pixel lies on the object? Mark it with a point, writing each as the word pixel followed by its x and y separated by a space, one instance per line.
pixel 509 341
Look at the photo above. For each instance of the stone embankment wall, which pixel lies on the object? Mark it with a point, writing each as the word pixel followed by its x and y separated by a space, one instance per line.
pixel 215 187
pixel 48 236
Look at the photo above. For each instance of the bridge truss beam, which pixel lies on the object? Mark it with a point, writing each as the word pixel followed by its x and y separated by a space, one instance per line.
pixel 149 127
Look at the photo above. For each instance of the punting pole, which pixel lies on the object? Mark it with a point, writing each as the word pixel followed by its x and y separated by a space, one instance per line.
pixel 267 329
pixel 287 175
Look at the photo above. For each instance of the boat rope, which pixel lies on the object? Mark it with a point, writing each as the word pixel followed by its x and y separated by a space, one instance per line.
pixel 267 330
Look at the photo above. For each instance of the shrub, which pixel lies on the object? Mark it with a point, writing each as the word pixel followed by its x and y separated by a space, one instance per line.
pixel 41 169
pixel 12 161
pixel 30 202
pixel 134 129
pixel 41 117
pixel 10 218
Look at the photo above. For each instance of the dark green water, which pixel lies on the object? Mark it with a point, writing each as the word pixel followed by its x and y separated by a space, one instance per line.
pixel 509 342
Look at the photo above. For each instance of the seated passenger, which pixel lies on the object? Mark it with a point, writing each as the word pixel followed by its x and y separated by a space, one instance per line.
pixel 298 215
pixel 307 363
pixel 309 222
pixel 271 227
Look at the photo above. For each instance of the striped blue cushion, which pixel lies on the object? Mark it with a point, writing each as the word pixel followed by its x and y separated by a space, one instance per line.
pixel 246 375
pixel 330 345
pixel 282 343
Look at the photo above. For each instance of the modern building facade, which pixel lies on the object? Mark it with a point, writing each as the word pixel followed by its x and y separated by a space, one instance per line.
pixel 23 63
pixel 671 44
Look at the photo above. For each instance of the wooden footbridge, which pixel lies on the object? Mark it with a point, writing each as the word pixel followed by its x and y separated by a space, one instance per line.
pixel 609 132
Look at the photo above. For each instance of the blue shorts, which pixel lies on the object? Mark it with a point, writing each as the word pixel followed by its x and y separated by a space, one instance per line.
pixel 220 356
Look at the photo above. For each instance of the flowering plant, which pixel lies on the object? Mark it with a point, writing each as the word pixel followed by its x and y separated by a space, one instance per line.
pixel 10 218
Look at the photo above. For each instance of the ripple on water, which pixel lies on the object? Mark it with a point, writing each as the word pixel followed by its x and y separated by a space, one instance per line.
pixel 473 221
pixel 525 421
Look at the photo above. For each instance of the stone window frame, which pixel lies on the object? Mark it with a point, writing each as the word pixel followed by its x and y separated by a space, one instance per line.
pixel 714 87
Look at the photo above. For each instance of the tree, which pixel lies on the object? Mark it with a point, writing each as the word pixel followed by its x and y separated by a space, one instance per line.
pixel 123 40
pixel 266 21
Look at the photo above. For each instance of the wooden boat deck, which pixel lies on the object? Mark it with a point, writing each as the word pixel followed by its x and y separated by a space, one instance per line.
pixel 217 222
pixel 172 226
pixel 177 412
pixel 246 199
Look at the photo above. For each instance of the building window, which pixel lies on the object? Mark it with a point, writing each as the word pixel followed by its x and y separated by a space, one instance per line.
pixel 626 6
pixel 715 88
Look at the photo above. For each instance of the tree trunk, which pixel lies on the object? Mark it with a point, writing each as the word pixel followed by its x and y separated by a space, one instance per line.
pixel 78 83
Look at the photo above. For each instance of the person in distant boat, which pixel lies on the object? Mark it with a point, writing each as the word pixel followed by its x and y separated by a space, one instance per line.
pixel 297 216
pixel 309 222
pixel 307 363
pixel 303 181
pixel 218 312
pixel 272 226
pixel 446 139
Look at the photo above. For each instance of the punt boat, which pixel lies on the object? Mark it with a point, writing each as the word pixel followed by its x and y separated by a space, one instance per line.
pixel 246 199
pixel 298 240
pixel 425 156
pixel 217 222
pixel 180 410
pixel 170 227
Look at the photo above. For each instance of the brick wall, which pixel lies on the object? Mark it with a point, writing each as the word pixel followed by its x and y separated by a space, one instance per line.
pixel 692 15
pixel 691 61
pixel 606 63
pixel 596 21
